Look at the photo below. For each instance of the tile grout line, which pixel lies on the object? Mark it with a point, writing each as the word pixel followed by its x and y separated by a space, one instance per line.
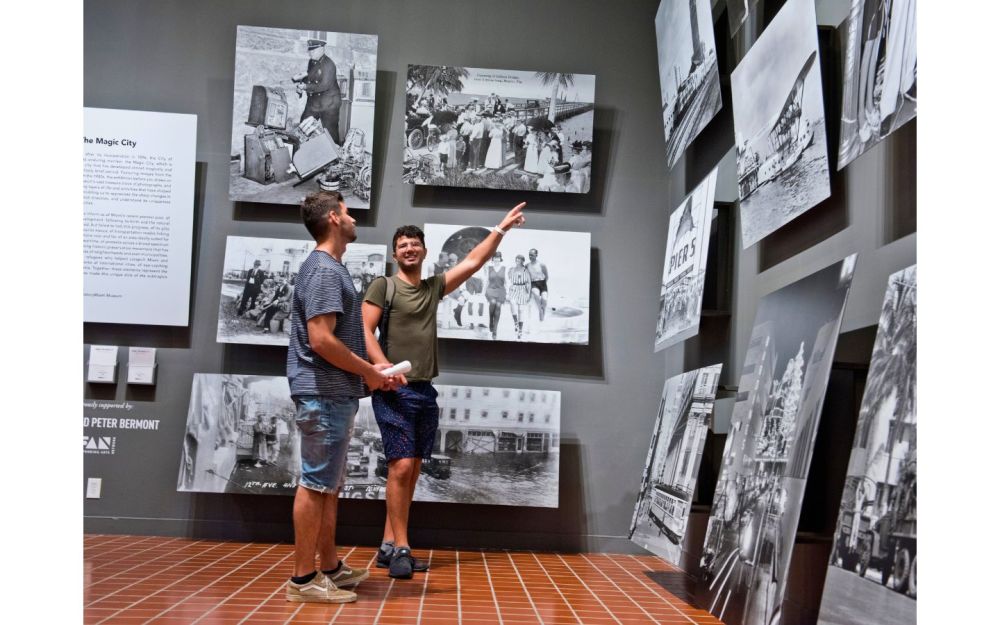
pixel 105 564
pixel 526 593
pixel 615 584
pixel 111 594
pixel 385 597
pixel 587 586
pixel 489 578
pixel 235 592
pixel 655 594
pixel 458 584
pixel 423 592
pixel 367 566
pixel 554 585
pixel 137 602
pixel 203 588
pixel 123 540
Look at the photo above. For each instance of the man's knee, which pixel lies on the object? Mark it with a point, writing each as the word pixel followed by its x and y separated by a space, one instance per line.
pixel 403 468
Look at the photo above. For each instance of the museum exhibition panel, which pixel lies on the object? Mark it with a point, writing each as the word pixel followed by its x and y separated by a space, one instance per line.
pixel 756 233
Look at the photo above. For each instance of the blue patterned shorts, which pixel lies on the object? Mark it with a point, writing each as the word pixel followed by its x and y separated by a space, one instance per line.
pixel 408 419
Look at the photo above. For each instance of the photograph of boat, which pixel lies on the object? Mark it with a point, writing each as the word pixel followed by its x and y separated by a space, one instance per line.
pixel 690 95
pixel 781 158
pixel 880 74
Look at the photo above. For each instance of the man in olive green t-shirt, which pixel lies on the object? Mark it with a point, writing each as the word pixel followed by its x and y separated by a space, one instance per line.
pixel 408 417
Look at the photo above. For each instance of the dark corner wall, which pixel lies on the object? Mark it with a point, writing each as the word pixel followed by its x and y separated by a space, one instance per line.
pixel 177 56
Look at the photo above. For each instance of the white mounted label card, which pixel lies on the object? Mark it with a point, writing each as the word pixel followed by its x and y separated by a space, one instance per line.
pixel 141 365
pixel 101 363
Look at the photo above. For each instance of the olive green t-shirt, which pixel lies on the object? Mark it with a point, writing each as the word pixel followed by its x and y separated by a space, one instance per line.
pixel 412 323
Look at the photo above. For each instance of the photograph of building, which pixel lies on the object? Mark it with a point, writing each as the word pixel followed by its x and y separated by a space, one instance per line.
pixel 535 290
pixel 258 281
pixel 303 115
pixel 758 496
pixel 690 95
pixel 781 160
pixel 872 577
pixel 880 74
pixel 659 522
pixel 683 281
pixel 498 129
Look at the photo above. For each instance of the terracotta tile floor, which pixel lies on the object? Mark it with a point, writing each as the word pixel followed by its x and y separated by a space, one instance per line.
pixel 152 579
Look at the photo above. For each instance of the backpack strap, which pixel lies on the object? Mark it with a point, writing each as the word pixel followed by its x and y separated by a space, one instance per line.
pixel 383 323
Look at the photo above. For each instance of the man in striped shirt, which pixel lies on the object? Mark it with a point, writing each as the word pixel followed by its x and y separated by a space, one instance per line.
pixel 328 371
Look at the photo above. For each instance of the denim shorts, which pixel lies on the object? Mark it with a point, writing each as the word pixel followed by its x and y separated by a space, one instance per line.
pixel 408 420
pixel 326 425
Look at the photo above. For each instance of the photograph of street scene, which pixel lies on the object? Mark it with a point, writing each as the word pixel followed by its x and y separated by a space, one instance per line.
pixel 498 129
pixel 495 446
pixel 258 281
pixel 683 281
pixel 536 289
pixel 872 577
pixel 659 522
pixel 303 115
pixel 690 95
pixel 758 496
pixel 781 162
pixel 240 437
pixel 880 74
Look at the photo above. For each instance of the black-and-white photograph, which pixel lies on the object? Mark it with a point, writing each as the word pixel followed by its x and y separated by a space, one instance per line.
pixel 536 288
pixel 496 446
pixel 880 74
pixel 872 577
pixel 683 281
pixel 659 521
pixel 303 115
pixel 258 280
pixel 738 11
pixel 781 161
pixel 690 94
pixel 498 129
pixel 240 437
pixel 758 496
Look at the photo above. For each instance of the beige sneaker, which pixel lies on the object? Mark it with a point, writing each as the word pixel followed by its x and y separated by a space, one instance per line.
pixel 347 576
pixel 319 590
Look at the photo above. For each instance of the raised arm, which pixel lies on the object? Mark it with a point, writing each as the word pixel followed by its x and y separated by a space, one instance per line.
pixel 477 257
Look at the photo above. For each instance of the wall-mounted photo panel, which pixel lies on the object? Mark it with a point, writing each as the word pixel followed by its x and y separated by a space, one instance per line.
pixel 874 553
pixel 303 115
pixel 781 162
pixel 258 280
pixel 495 446
pixel 690 95
pixel 498 129
pixel 537 290
pixel 758 497
pixel 880 74
pixel 659 522
pixel 683 281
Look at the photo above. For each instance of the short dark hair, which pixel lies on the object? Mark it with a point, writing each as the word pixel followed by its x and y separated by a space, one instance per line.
pixel 316 207
pixel 410 232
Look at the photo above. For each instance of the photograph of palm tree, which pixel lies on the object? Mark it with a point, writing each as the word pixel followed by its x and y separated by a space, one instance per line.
pixel 872 576
pixel 498 129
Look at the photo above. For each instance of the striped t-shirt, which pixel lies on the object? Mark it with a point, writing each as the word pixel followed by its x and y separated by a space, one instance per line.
pixel 323 286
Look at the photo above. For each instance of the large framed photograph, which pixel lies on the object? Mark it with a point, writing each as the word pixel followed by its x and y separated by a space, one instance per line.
pixel 258 280
pixel 781 161
pixel 880 74
pixel 683 283
pixel 303 115
pixel 690 94
pixel 535 290
pixel 872 577
pixel 765 462
pixel 496 446
pixel 659 521
pixel 498 129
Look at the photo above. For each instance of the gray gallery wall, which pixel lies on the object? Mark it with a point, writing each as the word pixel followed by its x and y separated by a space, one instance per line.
pixel 177 56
